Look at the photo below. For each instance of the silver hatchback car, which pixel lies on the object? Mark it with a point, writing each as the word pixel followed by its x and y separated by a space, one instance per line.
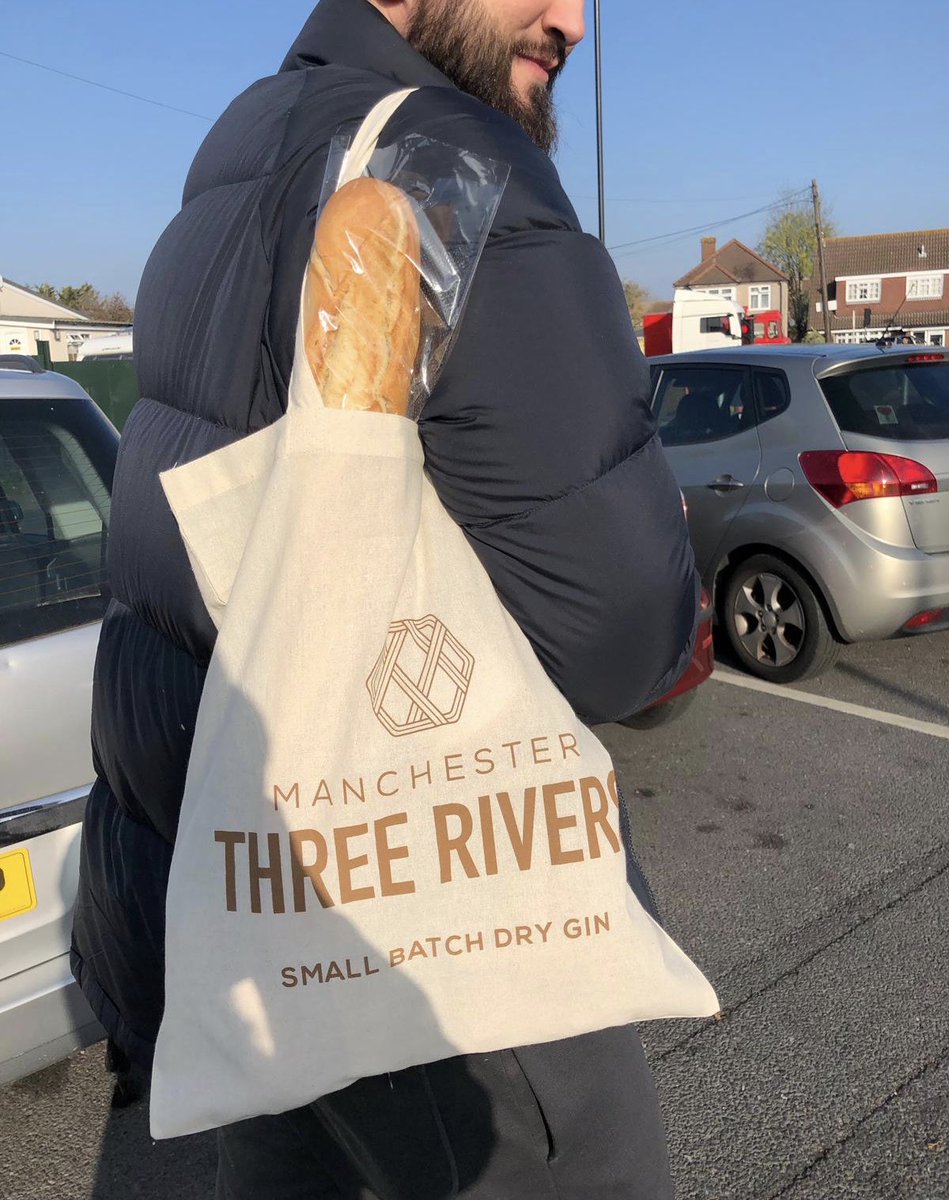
pixel 57 457
pixel 817 481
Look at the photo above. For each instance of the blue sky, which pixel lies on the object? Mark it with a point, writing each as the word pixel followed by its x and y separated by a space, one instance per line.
pixel 711 111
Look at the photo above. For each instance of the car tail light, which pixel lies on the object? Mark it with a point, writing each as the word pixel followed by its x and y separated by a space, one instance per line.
pixel 918 358
pixel 921 620
pixel 844 476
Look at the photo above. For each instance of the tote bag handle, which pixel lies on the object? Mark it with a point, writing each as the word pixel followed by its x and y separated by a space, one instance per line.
pixel 364 144
pixel 303 390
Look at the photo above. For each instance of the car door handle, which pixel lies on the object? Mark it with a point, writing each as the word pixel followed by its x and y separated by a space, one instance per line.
pixel 725 483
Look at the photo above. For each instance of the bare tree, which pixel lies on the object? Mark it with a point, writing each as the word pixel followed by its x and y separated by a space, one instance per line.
pixel 638 300
pixel 790 242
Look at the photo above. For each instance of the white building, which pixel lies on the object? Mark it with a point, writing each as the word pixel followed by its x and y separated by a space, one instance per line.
pixel 27 318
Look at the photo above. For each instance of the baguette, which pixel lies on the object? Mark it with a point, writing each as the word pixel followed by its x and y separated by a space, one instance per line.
pixel 362 300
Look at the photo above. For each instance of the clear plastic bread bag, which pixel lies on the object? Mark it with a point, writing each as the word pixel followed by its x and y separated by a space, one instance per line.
pixel 391 265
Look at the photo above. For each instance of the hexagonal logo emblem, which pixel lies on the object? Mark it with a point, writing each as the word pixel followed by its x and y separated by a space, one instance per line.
pixel 421 678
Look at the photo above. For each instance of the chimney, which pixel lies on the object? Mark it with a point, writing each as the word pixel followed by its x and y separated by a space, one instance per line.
pixel 708 248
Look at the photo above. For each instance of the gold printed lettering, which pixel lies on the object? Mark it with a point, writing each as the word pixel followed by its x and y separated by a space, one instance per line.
pixel 359 793
pixel 454 770
pixel 300 871
pixel 279 794
pixel 556 823
pixel 539 744
pixel 483 757
pixel 381 790
pixel 387 855
pixel 273 872
pixel 417 775
pixel 512 746
pixel 346 864
pixel 457 844
pixel 568 745
pixel 596 806
pixel 521 839
pixel 487 836
pixel 229 840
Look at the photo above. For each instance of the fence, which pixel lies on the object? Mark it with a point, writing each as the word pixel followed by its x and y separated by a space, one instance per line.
pixel 113 385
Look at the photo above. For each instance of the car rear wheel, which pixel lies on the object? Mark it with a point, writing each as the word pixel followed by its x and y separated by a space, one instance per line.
pixel 775 623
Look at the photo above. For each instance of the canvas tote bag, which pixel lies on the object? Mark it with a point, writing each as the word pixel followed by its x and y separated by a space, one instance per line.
pixel 397 842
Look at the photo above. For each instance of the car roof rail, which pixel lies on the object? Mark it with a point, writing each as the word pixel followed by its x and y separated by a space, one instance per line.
pixel 21 362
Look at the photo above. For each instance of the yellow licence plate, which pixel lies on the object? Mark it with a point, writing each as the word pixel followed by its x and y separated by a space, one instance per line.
pixel 17 892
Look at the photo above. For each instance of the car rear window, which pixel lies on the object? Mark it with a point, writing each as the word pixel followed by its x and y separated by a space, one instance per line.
pixel 56 469
pixel 899 401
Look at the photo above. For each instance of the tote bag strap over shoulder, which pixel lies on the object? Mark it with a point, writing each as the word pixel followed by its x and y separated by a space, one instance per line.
pixel 216 498
pixel 365 142
pixel 303 390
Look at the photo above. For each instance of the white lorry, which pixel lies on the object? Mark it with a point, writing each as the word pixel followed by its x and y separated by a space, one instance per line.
pixel 699 321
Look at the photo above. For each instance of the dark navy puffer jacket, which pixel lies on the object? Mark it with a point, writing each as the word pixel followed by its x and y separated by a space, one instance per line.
pixel 537 439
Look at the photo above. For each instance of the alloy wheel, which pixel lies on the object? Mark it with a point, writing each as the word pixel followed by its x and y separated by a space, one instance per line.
pixel 769 619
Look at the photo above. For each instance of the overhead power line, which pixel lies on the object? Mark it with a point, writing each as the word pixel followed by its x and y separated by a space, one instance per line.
pixel 673 199
pixel 106 87
pixel 669 238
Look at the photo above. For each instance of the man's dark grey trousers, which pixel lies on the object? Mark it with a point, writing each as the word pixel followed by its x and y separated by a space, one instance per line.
pixel 570 1120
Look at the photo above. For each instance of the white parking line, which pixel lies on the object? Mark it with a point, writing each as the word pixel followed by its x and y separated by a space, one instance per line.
pixel 841 706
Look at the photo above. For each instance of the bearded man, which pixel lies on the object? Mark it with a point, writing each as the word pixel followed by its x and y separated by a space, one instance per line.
pixel 539 442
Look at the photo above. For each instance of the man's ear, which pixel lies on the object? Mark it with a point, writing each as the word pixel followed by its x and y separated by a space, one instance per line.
pixel 397 12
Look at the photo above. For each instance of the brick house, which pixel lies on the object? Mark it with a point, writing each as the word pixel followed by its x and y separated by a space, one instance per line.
pixel 741 275
pixel 887 280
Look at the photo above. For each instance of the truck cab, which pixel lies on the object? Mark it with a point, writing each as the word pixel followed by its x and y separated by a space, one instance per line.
pixel 698 321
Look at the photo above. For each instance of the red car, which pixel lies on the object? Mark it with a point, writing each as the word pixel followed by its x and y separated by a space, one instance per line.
pixel 674 702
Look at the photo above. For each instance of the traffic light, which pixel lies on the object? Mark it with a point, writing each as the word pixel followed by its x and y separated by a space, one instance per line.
pixel 747 331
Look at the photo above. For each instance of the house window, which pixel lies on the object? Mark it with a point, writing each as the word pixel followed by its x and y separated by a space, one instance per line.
pixel 924 287
pixel 863 290
pixel 760 297
pixel 729 293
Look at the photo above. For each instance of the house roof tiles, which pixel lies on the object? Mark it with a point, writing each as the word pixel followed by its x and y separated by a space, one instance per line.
pixel 887 253
pixel 737 262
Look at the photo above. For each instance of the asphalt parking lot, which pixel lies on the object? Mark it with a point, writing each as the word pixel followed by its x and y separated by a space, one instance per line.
pixel 798 846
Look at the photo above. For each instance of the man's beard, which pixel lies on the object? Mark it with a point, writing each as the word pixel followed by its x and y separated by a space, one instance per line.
pixel 457 37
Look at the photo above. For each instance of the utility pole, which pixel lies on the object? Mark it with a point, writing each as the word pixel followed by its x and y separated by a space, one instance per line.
pixel 818 225
pixel 601 194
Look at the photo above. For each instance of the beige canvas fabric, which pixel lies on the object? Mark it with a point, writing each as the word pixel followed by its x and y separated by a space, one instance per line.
pixel 397 842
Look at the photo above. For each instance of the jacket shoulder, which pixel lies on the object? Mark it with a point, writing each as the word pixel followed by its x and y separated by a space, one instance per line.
pixel 534 196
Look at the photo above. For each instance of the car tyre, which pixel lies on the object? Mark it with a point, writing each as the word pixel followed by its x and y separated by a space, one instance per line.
pixel 775 622
pixel 660 714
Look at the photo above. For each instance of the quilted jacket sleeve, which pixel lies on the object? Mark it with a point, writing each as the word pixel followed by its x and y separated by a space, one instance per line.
pixel 541 445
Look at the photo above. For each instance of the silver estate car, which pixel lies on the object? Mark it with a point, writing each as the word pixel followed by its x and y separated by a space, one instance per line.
pixel 57 456
pixel 817 482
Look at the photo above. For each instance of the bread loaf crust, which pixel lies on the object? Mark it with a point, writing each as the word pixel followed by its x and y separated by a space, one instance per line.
pixel 362 299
